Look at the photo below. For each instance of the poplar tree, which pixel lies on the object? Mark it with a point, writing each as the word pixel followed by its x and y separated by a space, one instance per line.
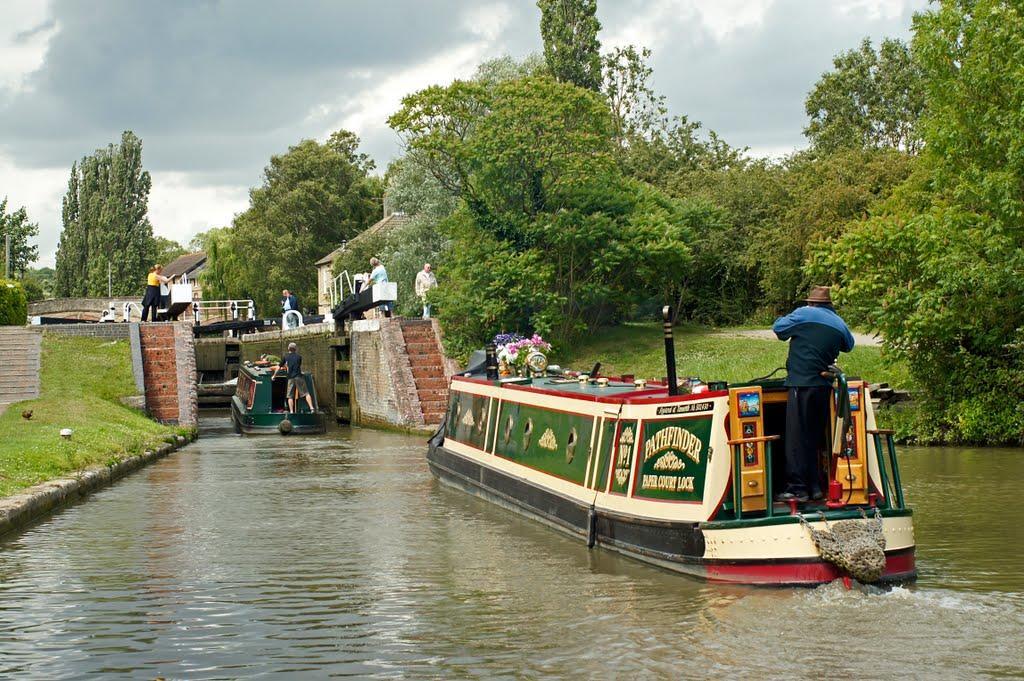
pixel 571 48
pixel 106 228
pixel 16 225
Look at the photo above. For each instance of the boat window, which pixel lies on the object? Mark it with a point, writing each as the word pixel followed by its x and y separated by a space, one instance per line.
pixel 570 446
pixel 527 432
pixel 508 429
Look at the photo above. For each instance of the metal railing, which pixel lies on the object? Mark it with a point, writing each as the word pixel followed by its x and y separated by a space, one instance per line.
pixel 895 489
pixel 233 309
pixel 338 287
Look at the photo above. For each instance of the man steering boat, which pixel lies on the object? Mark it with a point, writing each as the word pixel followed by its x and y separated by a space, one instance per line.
pixel 816 335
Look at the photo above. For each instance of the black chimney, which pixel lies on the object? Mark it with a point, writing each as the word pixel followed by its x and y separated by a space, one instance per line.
pixel 670 350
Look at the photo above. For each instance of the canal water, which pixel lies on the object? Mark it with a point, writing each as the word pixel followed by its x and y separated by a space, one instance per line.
pixel 341 556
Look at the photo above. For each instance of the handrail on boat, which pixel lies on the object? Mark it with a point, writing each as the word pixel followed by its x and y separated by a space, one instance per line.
pixel 737 470
pixel 890 445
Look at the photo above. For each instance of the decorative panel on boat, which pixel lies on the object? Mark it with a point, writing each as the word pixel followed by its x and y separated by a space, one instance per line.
pixel 673 459
pixel 549 441
pixel 622 454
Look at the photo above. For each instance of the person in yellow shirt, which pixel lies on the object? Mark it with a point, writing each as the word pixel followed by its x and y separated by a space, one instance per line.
pixel 151 300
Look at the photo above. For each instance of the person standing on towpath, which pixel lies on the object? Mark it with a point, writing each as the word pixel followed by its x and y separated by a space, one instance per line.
pixel 816 335
pixel 296 381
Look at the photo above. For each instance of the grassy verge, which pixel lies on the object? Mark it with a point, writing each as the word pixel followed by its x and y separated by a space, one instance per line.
pixel 82 381
pixel 711 354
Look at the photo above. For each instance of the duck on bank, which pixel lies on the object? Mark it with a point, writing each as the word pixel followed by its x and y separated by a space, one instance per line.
pixel 684 477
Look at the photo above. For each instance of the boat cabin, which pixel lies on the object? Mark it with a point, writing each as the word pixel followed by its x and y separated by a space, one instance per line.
pixel 260 403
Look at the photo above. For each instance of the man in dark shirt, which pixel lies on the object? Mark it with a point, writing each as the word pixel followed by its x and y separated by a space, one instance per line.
pixel 296 381
pixel 816 335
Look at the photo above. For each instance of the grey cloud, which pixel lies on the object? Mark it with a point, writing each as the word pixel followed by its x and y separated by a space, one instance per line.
pixel 23 37
pixel 211 86
pixel 751 86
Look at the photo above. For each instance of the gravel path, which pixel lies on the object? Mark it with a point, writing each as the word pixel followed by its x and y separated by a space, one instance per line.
pixel 861 339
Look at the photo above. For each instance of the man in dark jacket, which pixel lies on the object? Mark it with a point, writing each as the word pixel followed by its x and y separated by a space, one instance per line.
pixel 816 335
pixel 289 301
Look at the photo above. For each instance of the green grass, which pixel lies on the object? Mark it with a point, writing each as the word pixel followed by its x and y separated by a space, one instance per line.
pixel 711 354
pixel 83 380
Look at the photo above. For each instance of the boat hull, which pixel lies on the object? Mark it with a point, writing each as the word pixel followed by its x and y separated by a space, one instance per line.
pixel 270 423
pixel 677 546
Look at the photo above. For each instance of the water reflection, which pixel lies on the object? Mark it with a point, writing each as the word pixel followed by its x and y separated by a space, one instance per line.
pixel 341 556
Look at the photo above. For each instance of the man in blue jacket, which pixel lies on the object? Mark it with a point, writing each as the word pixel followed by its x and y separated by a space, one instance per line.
pixel 816 335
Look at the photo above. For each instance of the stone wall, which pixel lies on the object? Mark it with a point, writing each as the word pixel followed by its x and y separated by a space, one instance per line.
pixel 169 371
pixel 105 330
pixel 314 343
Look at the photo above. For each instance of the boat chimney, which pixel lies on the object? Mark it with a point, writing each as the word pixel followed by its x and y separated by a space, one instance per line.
pixel 670 350
pixel 492 362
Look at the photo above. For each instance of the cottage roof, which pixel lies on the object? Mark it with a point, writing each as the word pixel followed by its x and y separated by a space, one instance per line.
pixel 185 264
pixel 393 221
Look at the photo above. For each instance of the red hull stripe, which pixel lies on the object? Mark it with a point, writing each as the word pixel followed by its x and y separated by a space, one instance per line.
pixel 899 566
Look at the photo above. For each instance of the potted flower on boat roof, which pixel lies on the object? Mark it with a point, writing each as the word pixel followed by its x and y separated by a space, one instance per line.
pixel 514 349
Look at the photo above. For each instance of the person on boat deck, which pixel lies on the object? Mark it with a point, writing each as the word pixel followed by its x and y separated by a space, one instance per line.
pixel 151 299
pixel 296 382
pixel 816 335
pixel 379 275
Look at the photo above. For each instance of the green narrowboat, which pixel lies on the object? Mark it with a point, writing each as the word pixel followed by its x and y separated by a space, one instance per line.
pixel 260 403
pixel 683 481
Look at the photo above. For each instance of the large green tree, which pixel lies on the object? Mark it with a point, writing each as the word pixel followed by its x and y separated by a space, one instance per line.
pixel 106 230
pixel 571 49
pixel 872 99
pixel 553 236
pixel 312 198
pixel 940 271
pixel 20 230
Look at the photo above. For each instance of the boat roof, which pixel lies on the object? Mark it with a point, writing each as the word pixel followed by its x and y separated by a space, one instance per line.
pixel 615 391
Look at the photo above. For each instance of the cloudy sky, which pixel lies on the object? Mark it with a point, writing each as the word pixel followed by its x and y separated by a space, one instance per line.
pixel 215 87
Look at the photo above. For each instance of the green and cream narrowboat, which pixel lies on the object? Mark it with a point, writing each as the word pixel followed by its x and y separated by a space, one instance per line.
pixel 683 481
pixel 260 404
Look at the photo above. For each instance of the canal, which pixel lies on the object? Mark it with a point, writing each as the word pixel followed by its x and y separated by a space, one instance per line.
pixel 340 555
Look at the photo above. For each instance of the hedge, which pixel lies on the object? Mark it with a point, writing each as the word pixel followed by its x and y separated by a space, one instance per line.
pixel 13 303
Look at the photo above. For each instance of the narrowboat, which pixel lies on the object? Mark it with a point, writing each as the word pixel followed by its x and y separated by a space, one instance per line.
pixel 260 403
pixel 682 481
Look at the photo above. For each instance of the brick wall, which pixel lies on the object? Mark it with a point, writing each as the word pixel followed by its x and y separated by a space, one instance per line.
pixel 383 387
pixel 169 370
pixel 105 330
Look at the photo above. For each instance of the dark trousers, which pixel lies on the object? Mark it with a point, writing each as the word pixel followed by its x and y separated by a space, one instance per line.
pixel 150 302
pixel 807 413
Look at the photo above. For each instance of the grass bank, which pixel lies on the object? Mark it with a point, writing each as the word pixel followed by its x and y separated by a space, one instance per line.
pixel 82 383
pixel 711 354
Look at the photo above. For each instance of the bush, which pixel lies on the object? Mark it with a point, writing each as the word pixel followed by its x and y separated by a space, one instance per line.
pixel 13 304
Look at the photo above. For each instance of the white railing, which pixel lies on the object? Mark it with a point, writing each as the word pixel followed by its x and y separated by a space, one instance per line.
pixel 342 286
pixel 291 319
pixel 232 309
pixel 126 311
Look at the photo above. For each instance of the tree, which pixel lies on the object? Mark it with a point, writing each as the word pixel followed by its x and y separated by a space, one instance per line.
pixel 106 230
pixel 312 198
pixel 941 278
pixel 16 225
pixel 165 250
pixel 571 49
pixel 533 161
pixel 873 99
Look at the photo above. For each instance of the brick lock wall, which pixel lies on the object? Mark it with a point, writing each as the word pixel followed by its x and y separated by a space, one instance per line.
pixel 169 370
pixel 383 385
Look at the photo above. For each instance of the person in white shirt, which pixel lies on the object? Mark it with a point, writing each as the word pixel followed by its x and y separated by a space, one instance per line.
pixel 379 275
pixel 425 280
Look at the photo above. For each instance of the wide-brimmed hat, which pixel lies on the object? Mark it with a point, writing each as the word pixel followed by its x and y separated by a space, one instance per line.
pixel 820 294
